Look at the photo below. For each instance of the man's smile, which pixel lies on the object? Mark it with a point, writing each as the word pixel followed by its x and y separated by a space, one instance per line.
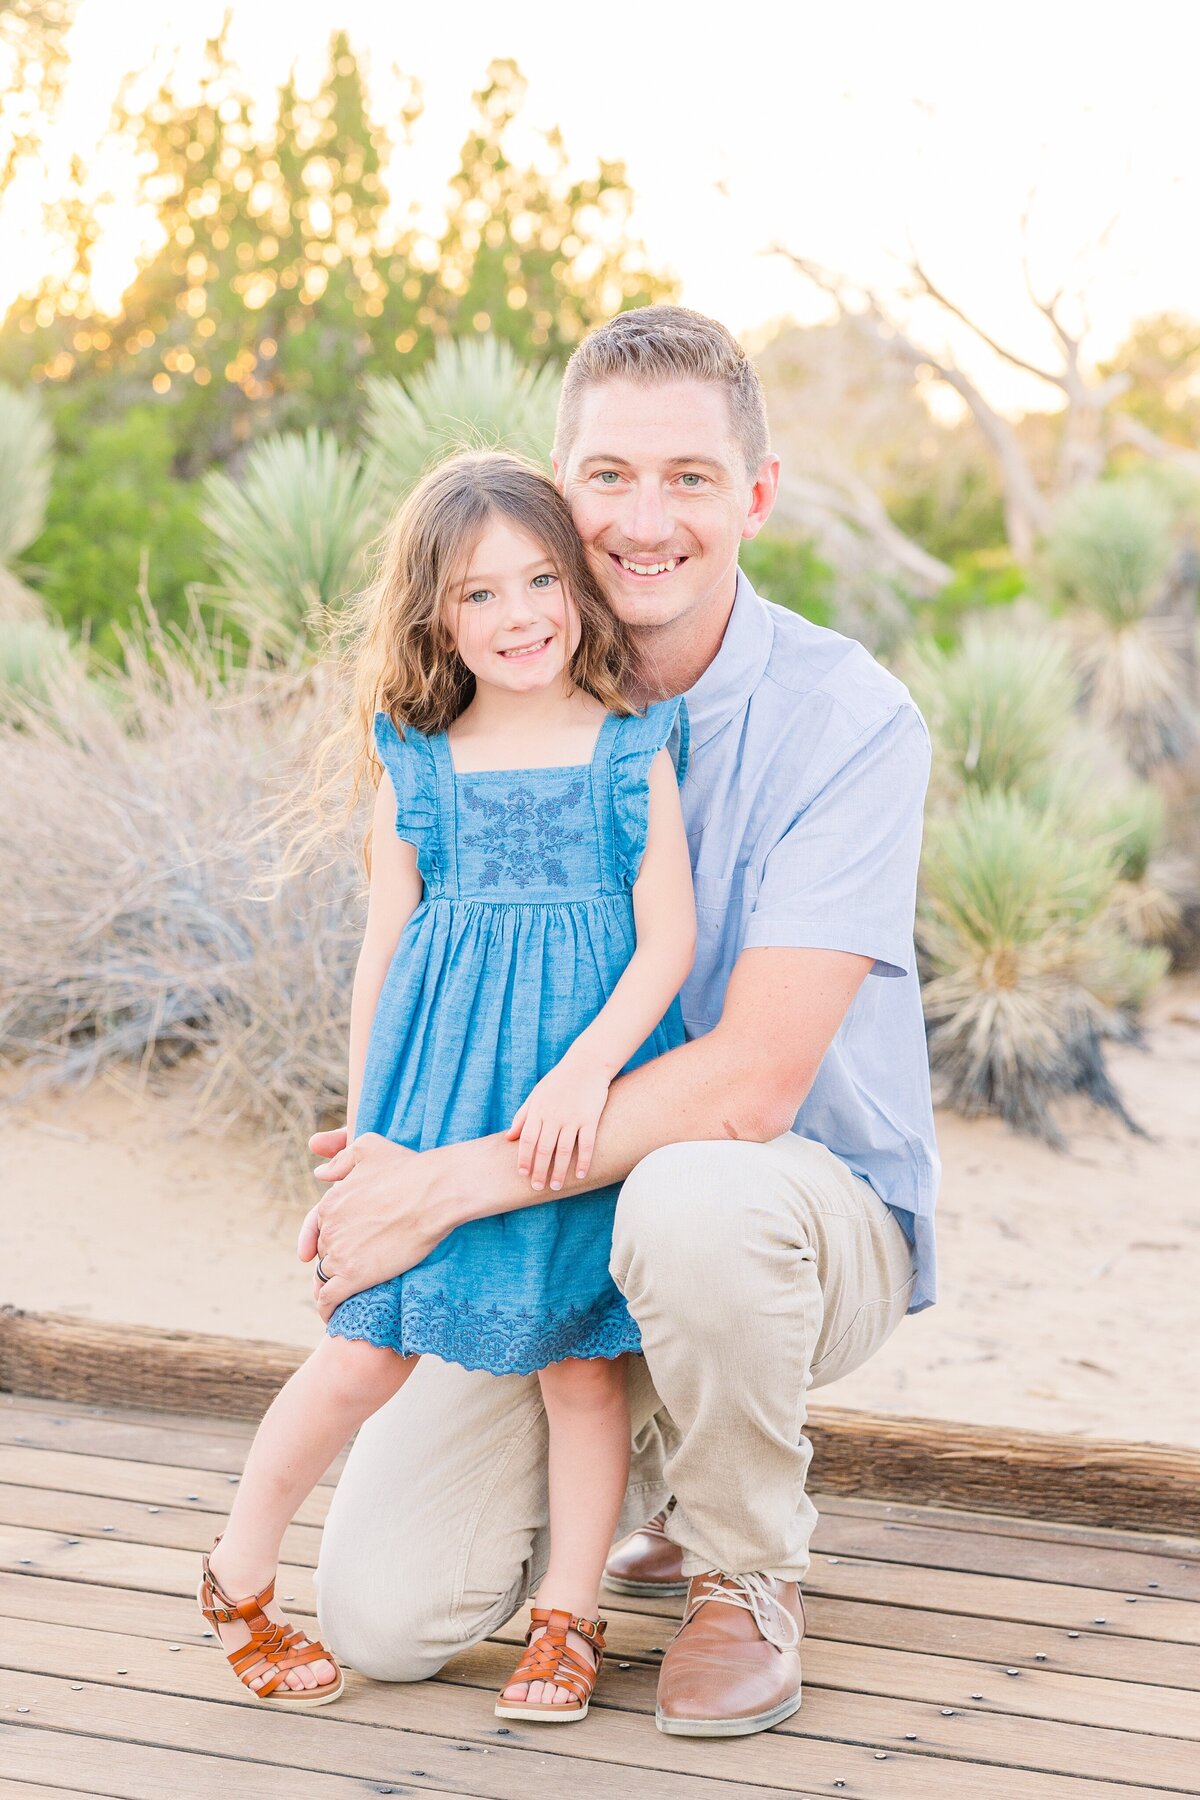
pixel 646 568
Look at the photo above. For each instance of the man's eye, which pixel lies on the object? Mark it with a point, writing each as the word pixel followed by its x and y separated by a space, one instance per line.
pixel 546 580
pixel 607 476
pixel 480 594
pixel 691 481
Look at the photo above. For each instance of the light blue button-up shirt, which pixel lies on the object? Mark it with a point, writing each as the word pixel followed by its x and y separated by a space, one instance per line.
pixel 803 802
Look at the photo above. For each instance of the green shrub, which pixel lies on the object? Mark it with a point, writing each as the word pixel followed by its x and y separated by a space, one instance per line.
pixel 789 571
pixel 118 519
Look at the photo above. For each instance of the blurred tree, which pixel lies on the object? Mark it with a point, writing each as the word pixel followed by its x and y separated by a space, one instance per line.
pixel 33 65
pixel 527 254
pixel 1161 359
pixel 277 284
pixel 1091 424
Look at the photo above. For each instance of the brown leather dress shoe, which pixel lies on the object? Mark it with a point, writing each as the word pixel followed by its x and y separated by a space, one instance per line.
pixel 647 1562
pixel 734 1665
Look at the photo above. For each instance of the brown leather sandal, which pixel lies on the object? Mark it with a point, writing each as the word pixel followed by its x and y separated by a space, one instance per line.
pixel 551 1658
pixel 279 1645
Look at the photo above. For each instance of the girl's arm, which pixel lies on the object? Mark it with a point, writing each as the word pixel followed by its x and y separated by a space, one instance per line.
pixel 567 1102
pixel 396 890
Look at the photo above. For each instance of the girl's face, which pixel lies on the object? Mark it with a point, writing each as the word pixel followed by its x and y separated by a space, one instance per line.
pixel 513 622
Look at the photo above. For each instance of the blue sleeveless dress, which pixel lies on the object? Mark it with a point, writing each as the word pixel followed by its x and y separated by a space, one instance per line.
pixel 524 929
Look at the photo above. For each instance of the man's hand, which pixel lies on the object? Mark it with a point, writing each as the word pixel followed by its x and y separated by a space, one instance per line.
pixel 376 1220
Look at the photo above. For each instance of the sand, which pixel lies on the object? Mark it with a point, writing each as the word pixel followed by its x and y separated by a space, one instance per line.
pixel 1069 1281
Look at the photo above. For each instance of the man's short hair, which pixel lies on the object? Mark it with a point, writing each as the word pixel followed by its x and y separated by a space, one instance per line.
pixel 653 344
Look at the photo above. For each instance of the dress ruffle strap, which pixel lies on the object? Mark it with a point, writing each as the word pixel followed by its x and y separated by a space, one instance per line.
pixel 410 762
pixel 636 742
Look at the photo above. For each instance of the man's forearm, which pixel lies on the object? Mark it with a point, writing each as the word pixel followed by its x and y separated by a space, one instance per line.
pixel 689 1094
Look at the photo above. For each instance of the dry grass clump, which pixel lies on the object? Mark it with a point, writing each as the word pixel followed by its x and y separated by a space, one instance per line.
pixel 132 923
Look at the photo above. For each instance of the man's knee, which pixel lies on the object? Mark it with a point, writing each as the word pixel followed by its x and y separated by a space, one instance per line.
pixel 394 1631
pixel 691 1210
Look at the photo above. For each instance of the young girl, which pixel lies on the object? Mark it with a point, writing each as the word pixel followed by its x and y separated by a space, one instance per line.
pixel 530 923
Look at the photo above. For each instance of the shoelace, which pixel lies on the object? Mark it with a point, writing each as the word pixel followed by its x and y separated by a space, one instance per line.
pixel 755 1595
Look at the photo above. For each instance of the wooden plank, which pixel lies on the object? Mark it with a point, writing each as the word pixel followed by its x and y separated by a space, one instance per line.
pixel 91 1433
pixel 127 1522
pixel 1039 1692
pixel 141 1772
pixel 976 1645
pixel 1004 1641
pixel 630 1689
pixel 1160 1542
pixel 28 1790
pixel 1051 1531
pixel 140 1565
pixel 1001 1597
pixel 929 1546
pixel 914 1540
pixel 856 1717
pixel 407 1722
pixel 186 1528
pixel 388 1741
pixel 176 1419
pixel 1029 1473
pixel 157 1484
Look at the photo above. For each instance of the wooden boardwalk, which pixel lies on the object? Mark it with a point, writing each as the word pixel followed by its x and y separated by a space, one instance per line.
pixel 950 1654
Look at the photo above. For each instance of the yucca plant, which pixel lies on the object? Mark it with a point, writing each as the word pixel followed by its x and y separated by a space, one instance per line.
pixel 26 452
pixel 36 663
pixel 999 705
pixel 473 393
pixel 1025 971
pixel 288 535
pixel 1108 558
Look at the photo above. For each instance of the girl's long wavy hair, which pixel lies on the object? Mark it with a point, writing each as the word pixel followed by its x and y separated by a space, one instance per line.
pixel 391 649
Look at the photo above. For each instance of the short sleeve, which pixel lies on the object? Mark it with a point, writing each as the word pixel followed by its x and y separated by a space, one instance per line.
pixel 636 742
pixel 409 762
pixel 844 874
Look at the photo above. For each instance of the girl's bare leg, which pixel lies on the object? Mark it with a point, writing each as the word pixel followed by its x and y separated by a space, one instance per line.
pixel 587 1412
pixel 310 1420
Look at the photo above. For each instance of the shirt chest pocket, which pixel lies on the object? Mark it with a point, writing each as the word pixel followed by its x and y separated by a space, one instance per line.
pixel 723 905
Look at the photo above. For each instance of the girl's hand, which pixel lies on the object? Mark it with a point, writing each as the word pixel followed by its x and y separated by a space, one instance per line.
pixel 562 1111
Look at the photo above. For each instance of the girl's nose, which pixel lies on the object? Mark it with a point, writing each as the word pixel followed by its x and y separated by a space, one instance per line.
pixel 519 608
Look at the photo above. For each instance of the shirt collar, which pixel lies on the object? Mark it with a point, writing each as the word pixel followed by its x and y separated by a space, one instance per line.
pixel 737 668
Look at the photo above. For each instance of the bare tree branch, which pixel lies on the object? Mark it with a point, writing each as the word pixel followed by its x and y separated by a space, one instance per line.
pixel 1010 356
pixel 1026 511
pixel 1125 429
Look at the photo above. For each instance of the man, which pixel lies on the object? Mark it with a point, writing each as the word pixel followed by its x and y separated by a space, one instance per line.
pixel 779 1168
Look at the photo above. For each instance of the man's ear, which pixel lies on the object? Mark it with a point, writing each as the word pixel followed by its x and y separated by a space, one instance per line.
pixel 558 465
pixel 762 496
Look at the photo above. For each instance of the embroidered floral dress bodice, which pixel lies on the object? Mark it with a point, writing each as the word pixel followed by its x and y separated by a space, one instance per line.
pixel 524 929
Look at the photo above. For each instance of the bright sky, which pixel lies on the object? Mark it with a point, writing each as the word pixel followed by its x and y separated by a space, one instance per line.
pixel 847 133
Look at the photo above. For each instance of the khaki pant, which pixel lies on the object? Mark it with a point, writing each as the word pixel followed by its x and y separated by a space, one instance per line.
pixel 754 1271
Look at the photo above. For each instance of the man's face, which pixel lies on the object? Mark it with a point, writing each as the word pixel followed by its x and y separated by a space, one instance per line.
pixel 658 488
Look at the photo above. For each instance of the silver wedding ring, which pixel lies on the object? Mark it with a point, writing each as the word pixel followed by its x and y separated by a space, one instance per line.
pixel 321 1274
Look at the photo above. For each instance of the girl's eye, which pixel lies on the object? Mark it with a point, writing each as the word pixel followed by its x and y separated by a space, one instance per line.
pixel 480 594
pixel 543 580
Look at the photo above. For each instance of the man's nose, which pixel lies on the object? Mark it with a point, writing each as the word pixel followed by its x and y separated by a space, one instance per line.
pixel 648 523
